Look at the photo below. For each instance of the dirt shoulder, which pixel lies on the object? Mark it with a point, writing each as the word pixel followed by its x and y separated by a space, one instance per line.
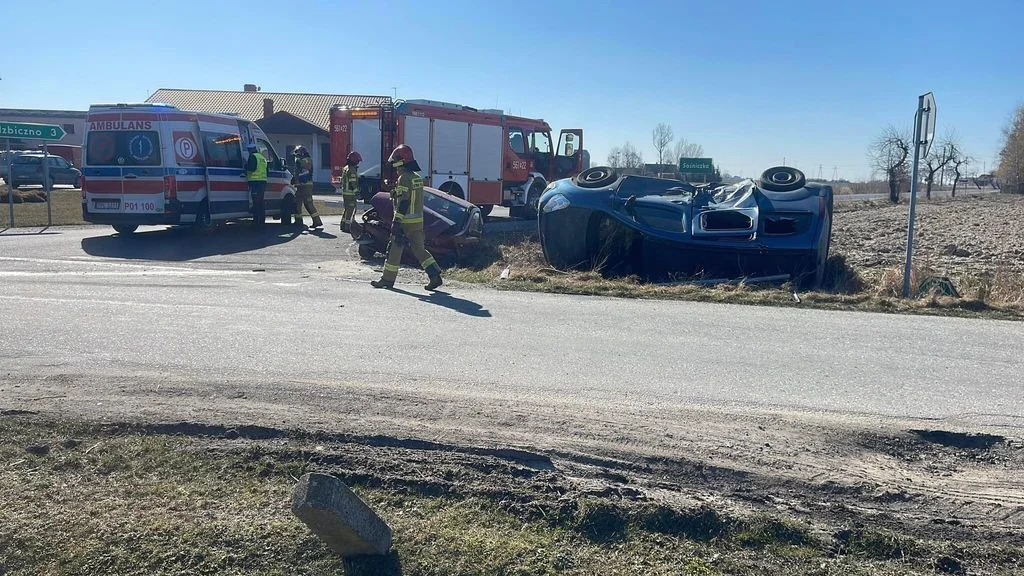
pixel 685 489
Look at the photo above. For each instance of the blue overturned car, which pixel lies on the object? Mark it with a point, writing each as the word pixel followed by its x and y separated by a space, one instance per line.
pixel 659 229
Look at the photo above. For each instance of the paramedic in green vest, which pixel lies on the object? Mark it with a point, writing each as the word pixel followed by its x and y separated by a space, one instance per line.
pixel 407 227
pixel 350 187
pixel 304 191
pixel 256 174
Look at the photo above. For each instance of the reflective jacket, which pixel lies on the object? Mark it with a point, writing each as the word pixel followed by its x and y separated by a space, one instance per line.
pixel 349 180
pixel 256 168
pixel 304 166
pixel 407 196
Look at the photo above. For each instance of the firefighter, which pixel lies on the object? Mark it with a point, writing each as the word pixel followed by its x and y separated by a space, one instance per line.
pixel 256 175
pixel 350 187
pixel 407 227
pixel 304 192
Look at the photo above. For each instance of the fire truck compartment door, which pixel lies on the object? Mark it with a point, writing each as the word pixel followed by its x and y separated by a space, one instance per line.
pixel 366 141
pixel 451 150
pixel 417 137
pixel 486 146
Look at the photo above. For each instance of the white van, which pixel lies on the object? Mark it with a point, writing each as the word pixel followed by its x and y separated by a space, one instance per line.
pixel 156 164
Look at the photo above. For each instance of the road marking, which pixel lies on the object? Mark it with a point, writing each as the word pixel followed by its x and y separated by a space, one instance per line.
pixel 154 272
pixel 77 301
pixel 91 262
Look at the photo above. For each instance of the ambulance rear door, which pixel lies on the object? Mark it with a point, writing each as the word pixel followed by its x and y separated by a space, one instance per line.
pixel 185 181
pixel 227 189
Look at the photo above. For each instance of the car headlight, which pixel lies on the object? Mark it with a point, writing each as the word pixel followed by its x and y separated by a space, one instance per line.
pixel 557 202
pixel 476 222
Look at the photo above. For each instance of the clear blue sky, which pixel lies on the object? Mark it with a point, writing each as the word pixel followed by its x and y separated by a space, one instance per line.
pixel 753 82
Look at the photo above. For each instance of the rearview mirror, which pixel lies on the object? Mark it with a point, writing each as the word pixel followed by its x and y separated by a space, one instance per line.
pixel 569 150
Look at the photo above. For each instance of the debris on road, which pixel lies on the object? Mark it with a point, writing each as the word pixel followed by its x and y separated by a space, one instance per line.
pixel 338 517
pixel 38 449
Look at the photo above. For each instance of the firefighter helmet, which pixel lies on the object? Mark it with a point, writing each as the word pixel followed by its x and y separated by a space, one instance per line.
pixel 401 156
pixel 301 151
pixel 354 157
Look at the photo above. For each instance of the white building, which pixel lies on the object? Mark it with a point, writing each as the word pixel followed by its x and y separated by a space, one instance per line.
pixel 289 119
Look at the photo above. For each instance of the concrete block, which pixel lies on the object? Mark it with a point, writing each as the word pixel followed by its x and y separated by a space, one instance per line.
pixel 338 517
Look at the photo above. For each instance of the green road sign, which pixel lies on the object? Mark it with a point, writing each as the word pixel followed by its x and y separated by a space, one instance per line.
pixel 26 131
pixel 696 166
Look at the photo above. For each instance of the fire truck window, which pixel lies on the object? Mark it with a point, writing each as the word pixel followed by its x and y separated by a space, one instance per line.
pixel 516 140
pixel 540 143
pixel 223 150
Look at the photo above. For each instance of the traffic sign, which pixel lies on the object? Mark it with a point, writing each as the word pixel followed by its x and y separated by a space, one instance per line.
pixel 27 131
pixel 696 166
pixel 926 120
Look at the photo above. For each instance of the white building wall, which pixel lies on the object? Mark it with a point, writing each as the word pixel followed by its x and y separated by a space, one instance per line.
pixel 285 142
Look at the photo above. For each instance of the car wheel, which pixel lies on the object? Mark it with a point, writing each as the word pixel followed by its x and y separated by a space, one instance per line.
pixel 485 209
pixel 204 220
pixel 597 177
pixel 126 229
pixel 782 179
pixel 287 209
pixel 532 200
pixel 453 188
pixel 78 181
pixel 367 251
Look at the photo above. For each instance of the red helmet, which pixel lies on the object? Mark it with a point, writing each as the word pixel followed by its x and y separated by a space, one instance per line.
pixel 354 157
pixel 401 156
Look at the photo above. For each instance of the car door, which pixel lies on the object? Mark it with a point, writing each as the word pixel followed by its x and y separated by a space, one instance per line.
pixel 569 155
pixel 278 179
pixel 60 172
pixel 228 191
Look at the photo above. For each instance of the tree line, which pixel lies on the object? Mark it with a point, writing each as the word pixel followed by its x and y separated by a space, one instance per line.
pixel 667 148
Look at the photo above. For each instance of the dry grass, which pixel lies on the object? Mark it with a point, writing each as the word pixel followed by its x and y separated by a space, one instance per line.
pixel 66 206
pixel 845 287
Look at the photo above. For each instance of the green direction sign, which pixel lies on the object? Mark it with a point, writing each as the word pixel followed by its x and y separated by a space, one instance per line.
pixel 26 131
pixel 696 166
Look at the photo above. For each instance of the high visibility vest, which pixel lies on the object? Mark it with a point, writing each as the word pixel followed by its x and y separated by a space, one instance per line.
pixel 260 173
pixel 408 198
pixel 349 181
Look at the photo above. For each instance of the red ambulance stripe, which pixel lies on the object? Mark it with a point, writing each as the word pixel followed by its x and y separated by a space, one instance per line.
pixel 104 117
pixel 190 186
pixel 178 117
pixel 217 120
pixel 144 187
pixel 136 116
pixel 97 186
pixel 229 186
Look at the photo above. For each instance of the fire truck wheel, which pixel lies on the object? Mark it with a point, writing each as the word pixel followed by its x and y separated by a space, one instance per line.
pixel 485 209
pixel 532 200
pixel 453 188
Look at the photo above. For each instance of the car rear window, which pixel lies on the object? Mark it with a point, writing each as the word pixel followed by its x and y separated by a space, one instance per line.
pixel 22 159
pixel 123 148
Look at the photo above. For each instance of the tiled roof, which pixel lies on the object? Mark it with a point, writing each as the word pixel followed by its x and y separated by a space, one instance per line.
pixel 314 108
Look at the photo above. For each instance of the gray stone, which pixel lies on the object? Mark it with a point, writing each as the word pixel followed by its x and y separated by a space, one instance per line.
pixel 338 517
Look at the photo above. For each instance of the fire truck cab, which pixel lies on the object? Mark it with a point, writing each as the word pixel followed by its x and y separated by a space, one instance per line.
pixel 483 156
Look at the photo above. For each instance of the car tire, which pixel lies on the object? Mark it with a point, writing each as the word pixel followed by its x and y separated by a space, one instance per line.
pixel 287 209
pixel 782 179
pixel 596 177
pixel 367 251
pixel 485 209
pixel 204 220
pixel 126 229
pixel 533 200
pixel 78 181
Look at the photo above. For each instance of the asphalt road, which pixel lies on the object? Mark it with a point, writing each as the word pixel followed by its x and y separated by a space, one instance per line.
pixel 258 307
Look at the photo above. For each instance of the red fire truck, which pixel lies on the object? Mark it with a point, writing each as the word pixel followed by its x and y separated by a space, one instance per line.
pixel 483 156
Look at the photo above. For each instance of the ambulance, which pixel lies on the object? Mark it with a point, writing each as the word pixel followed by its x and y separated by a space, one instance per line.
pixel 147 164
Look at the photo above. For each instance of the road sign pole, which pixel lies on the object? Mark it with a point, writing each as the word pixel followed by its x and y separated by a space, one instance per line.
pixel 46 185
pixel 913 196
pixel 10 189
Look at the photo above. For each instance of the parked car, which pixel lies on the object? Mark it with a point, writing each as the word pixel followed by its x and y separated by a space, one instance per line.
pixel 27 170
pixel 661 229
pixel 449 223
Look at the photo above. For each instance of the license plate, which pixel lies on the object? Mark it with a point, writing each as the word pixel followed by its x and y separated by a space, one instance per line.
pixel 106 204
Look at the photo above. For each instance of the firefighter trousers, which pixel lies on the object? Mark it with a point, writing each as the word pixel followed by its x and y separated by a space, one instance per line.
pixel 304 197
pixel 350 210
pixel 413 238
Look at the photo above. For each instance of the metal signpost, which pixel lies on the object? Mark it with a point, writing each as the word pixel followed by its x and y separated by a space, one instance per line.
pixel 28 131
pixel 924 135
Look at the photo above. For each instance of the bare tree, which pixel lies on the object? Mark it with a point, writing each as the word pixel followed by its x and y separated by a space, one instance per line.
pixel 957 164
pixel 940 155
pixel 632 158
pixel 888 154
pixel 615 157
pixel 661 137
pixel 687 149
pixel 1011 157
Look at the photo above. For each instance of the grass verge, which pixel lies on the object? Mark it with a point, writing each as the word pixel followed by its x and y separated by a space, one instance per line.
pixel 999 295
pixel 113 500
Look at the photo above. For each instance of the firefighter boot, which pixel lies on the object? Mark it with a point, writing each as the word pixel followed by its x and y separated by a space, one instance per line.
pixel 434 273
pixel 382 283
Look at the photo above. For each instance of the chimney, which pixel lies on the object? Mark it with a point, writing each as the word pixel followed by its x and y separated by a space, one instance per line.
pixel 268 107
pixel 251 88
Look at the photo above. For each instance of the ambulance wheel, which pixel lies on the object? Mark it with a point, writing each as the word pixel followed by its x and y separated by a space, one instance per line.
pixel 287 210
pixel 204 221
pixel 367 251
pixel 126 229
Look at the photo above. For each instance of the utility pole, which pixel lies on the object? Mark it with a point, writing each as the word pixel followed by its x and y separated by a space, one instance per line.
pixel 835 173
pixel 819 171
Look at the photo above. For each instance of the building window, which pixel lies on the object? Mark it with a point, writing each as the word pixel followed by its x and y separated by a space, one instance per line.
pixel 325 155
pixel 69 128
